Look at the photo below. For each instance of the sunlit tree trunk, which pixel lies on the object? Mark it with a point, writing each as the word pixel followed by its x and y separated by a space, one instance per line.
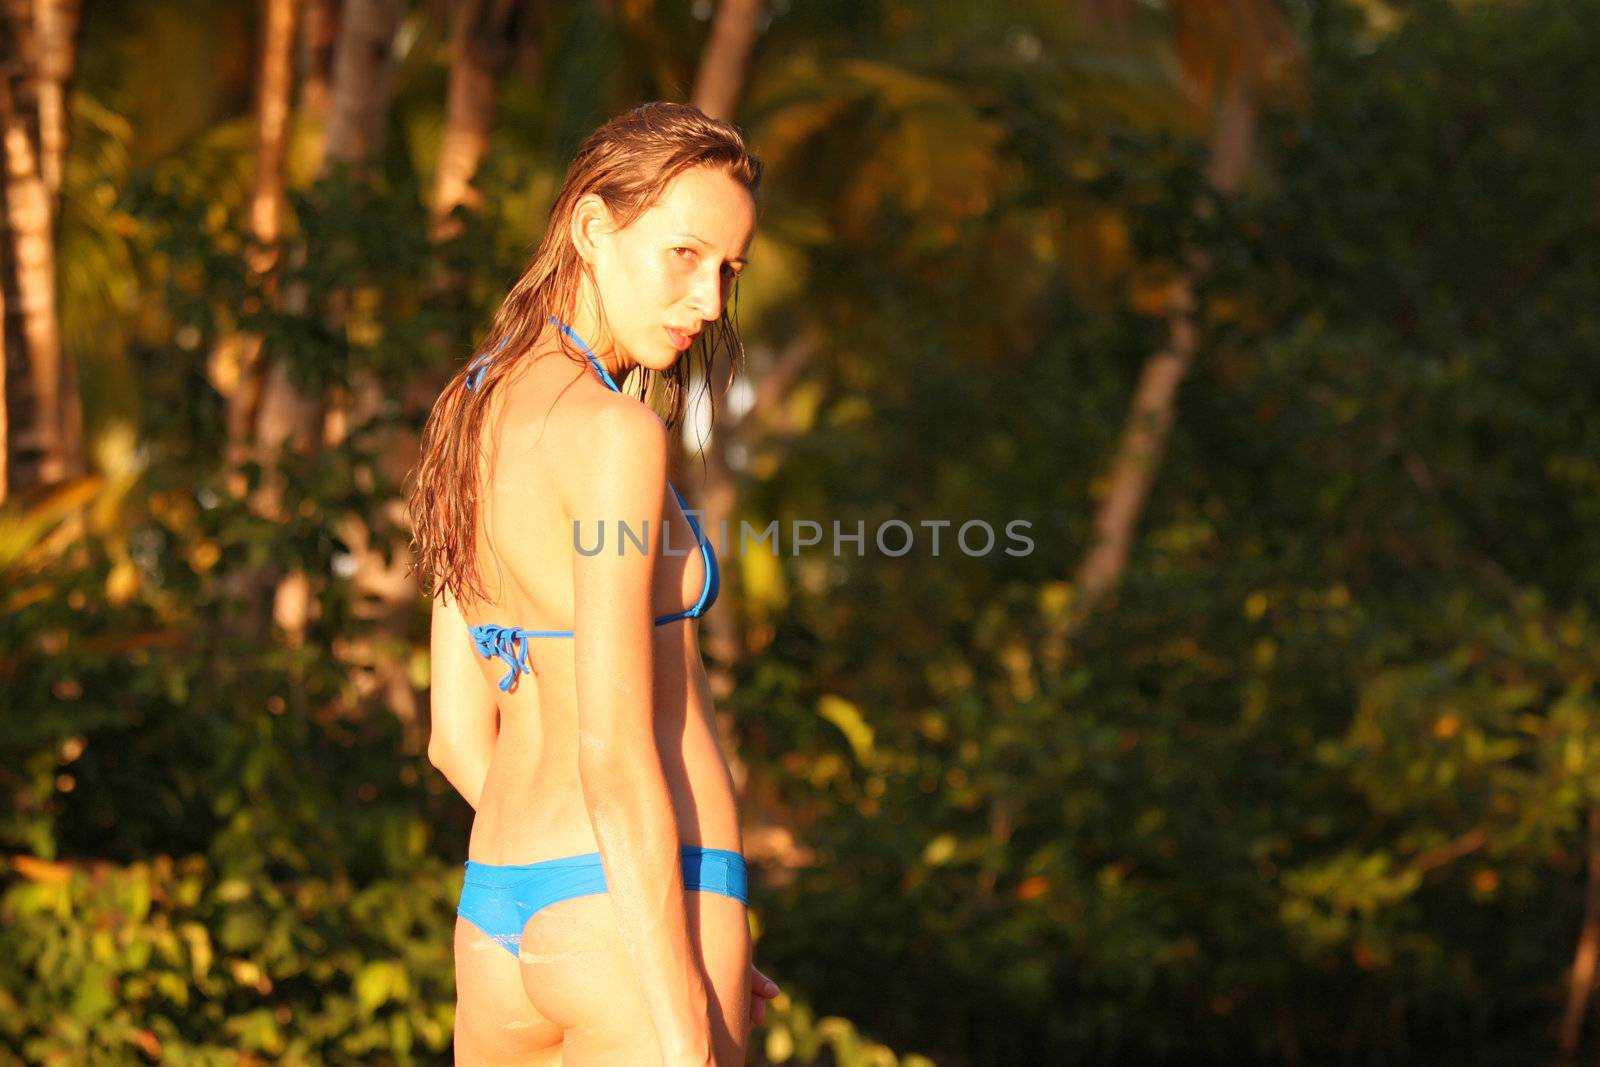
pixel 357 115
pixel 56 22
pixel 5 425
pixel 274 86
pixel 1581 980
pixel 1246 32
pixel 277 412
pixel 718 85
pixel 484 42
pixel 273 109
pixel 358 105
pixel 484 39
pixel 319 34
pixel 45 418
pixel 719 82
pixel 363 68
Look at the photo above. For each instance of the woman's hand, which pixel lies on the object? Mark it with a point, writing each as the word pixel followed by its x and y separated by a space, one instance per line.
pixel 762 989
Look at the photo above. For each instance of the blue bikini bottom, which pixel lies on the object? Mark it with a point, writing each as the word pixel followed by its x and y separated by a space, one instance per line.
pixel 499 900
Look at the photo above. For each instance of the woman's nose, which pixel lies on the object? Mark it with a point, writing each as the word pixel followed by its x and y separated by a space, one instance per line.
pixel 706 300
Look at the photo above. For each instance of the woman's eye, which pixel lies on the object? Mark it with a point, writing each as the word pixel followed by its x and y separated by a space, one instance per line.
pixel 685 252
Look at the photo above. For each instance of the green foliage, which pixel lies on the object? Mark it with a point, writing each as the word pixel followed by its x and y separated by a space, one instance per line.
pixel 173 962
pixel 1318 779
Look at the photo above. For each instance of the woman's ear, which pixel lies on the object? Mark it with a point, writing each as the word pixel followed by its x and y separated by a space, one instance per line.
pixel 591 222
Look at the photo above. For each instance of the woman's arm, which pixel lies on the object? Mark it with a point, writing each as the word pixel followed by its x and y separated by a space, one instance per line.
pixel 465 719
pixel 619 764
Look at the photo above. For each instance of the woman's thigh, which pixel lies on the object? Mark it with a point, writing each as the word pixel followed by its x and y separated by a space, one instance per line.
pixel 577 974
pixel 495 1023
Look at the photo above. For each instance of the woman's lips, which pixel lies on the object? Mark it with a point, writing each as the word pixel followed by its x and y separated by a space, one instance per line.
pixel 680 340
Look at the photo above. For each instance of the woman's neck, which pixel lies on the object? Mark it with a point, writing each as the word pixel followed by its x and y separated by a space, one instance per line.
pixel 586 325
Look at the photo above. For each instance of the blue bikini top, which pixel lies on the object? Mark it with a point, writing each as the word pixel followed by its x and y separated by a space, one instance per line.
pixel 510 643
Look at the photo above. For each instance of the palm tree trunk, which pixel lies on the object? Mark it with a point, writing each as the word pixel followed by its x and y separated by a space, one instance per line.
pixel 1243 41
pixel 1580 983
pixel 273 108
pixel 484 38
pixel 358 111
pixel 318 38
pixel 45 418
pixel 358 106
pixel 56 22
pixel 717 88
pixel 770 828
pixel 5 424
pixel 357 63
pixel 1150 416
pixel 273 111
pixel 719 83
pixel 363 67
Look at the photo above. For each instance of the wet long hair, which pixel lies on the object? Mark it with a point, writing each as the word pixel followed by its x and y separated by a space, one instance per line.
pixel 628 163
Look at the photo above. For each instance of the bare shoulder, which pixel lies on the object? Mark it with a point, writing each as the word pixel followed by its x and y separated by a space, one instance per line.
pixel 618 466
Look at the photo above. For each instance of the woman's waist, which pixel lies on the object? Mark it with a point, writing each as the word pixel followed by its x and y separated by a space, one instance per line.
pixel 524 816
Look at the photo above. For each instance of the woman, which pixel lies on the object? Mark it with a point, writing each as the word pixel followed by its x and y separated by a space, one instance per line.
pixel 603 919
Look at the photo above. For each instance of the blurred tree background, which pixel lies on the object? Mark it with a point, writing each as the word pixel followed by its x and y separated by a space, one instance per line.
pixel 1275 319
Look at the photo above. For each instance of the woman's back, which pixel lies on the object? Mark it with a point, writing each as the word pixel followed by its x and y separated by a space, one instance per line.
pixel 538 452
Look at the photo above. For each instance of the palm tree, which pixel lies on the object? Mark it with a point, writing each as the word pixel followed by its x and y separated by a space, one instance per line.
pixel 719 82
pixel 363 70
pixel 318 41
pixel 1228 53
pixel 358 106
pixel 1586 957
pixel 43 423
pixel 484 39
pixel 274 85
pixel 718 86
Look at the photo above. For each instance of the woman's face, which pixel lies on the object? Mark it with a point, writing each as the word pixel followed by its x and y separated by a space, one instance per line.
pixel 664 277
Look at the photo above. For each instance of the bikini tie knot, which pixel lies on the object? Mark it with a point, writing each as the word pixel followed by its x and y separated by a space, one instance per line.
pixel 510 644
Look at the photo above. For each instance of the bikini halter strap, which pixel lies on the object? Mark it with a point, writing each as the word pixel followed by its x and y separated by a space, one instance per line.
pixel 475 371
pixel 605 375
